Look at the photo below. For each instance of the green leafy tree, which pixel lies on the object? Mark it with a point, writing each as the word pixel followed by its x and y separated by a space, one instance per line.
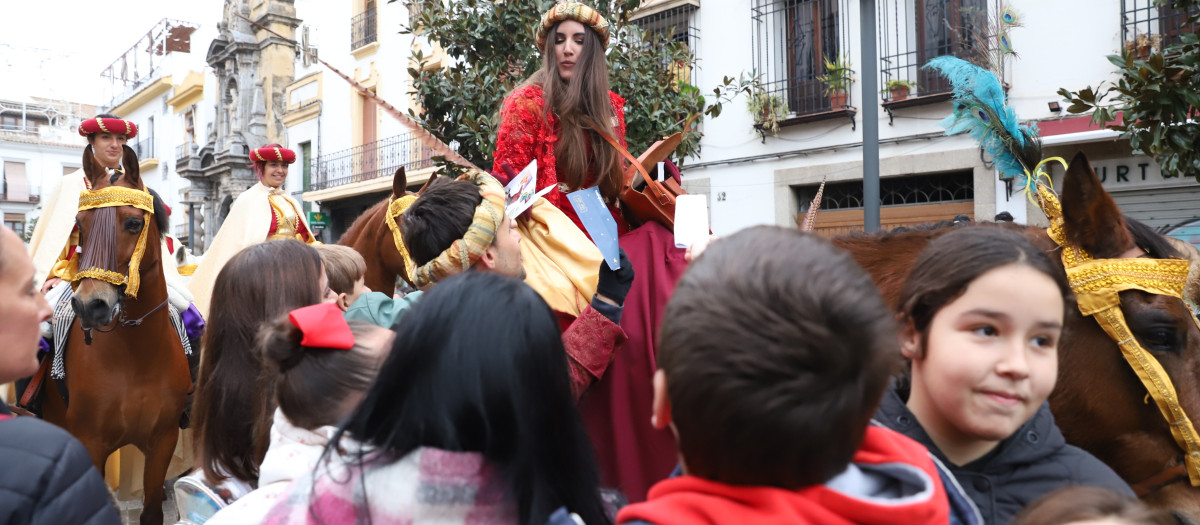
pixel 490 49
pixel 1155 100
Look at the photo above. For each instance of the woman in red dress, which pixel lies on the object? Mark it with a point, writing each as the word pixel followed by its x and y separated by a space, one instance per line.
pixel 557 115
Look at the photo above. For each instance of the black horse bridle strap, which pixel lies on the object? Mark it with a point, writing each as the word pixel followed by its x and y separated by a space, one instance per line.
pixel 134 323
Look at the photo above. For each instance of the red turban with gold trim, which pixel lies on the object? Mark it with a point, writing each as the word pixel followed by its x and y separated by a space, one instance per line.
pixel 108 125
pixel 273 153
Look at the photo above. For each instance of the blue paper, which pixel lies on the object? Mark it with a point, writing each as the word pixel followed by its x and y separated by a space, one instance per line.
pixel 598 222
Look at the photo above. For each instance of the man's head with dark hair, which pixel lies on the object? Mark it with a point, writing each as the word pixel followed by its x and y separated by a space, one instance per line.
pixel 443 214
pixel 774 352
pixel 439 217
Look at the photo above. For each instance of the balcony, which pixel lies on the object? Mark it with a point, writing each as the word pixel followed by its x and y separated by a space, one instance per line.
pixel 363 28
pixel 793 40
pixel 144 148
pixel 912 32
pixel 1148 26
pixel 369 162
pixel 676 25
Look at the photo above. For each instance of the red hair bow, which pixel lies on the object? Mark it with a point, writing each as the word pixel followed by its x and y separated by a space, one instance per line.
pixel 323 326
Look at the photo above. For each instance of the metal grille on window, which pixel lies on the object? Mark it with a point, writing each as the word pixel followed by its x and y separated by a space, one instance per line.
pixel 362 27
pixel 794 40
pixel 676 25
pixel 911 32
pixel 894 191
pixel 1149 26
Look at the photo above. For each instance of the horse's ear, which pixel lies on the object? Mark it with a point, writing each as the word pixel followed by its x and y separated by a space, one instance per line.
pixel 399 183
pixel 129 161
pixel 1092 219
pixel 91 167
pixel 427 183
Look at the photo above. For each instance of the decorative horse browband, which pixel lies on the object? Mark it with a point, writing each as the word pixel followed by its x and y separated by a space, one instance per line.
pixel 1097 284
pixel 395 208
pixel 104 268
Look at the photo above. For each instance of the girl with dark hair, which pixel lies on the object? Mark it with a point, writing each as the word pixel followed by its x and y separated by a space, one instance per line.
pixel 264 212
pixel 320 366
pixel 252 289
pixel 472 418
pixel 981 316
pixel 559 114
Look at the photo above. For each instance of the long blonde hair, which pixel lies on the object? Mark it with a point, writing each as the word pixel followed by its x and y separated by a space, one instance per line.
pixel 584 110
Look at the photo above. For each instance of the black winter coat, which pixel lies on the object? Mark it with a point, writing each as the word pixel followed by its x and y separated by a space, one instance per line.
pixel 46 476
pixel 1033 461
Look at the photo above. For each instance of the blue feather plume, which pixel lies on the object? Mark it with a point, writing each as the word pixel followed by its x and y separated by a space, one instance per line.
pixel 980 109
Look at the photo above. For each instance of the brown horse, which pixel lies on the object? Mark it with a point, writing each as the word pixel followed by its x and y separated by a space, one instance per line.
pixel 1098 402
pixel 371 237
pixel 128 385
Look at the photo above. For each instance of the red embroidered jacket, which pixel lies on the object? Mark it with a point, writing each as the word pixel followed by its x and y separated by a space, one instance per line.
pixel 525 136
pixel 591 338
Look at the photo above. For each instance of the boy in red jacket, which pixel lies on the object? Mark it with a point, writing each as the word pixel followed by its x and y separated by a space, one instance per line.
pixel 774 352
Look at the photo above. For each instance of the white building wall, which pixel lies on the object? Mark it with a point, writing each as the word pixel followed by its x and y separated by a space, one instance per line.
pixel 748 180
pixel 386 70
pixel 169 127
pixel 44 167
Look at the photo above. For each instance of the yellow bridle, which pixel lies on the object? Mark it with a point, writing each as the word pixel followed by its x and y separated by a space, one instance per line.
pixel 1097 284
pixel 108 197
pixel 395 208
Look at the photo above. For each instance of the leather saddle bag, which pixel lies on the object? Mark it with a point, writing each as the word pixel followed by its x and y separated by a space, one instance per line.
pixel 644 197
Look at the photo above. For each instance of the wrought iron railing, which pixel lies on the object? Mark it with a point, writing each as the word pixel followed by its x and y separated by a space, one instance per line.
pixel 675 25
pixel 144 148
pixel 363 28
pixel 369 161
pixel 1149 26
pixel 793 42
pixel 912 32
pixel 186 150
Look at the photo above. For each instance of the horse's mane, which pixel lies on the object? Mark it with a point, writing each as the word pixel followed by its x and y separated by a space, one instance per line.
pixel 931 227
pixel 356 229
pixel 1154 243
pixel 160 214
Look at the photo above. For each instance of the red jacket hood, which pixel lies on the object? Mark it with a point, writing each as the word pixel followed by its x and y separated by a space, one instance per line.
pixel 689 500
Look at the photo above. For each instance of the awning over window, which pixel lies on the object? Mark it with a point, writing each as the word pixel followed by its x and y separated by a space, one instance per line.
pixel 15 183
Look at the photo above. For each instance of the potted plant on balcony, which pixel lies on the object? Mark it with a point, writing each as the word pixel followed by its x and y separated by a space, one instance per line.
pixel 838 77
pixel 767 109
pixel 898 89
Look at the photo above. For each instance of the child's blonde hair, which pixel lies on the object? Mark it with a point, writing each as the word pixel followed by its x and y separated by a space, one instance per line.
pixel 343 265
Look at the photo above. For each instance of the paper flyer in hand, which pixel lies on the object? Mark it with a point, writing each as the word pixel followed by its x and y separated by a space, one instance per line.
pixel 598 222
pixel 522 191
pixel 691 219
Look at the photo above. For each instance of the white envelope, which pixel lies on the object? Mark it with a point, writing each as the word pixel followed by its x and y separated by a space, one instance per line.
pixel 691 219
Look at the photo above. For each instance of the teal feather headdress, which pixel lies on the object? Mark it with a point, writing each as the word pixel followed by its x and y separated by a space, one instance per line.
pixel 980 109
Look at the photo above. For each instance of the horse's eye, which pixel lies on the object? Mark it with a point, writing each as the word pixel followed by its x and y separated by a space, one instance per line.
pixel 1161 339
pixel 133 225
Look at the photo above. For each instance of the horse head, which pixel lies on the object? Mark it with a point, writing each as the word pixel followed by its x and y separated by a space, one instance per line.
pixel 376 236
pixel 116 232
pixel 1100 403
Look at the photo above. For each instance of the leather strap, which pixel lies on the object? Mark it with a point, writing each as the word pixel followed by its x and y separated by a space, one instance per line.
pixel 35 384
pixel 651 184
pixel 1171 475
